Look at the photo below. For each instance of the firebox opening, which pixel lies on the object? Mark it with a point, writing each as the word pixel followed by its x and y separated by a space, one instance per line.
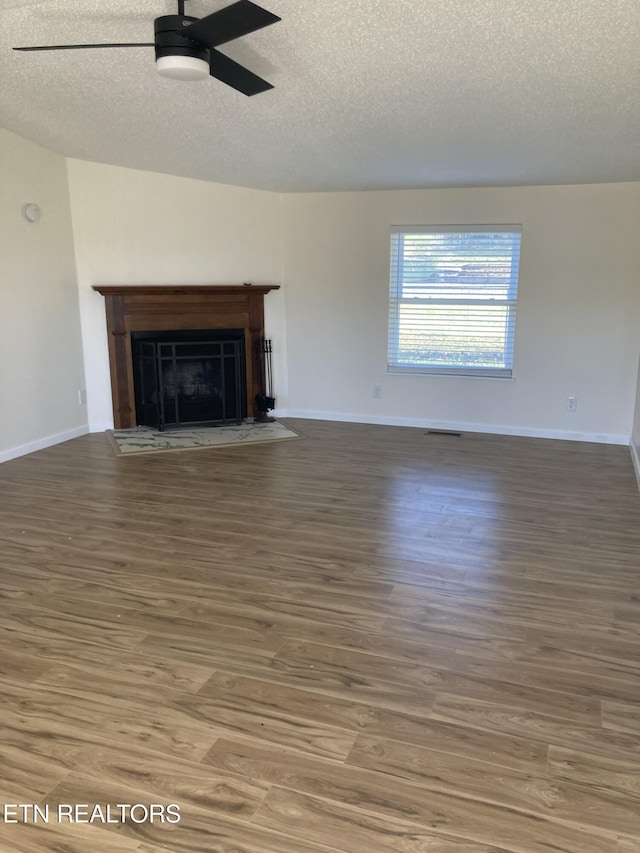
pixel 188 378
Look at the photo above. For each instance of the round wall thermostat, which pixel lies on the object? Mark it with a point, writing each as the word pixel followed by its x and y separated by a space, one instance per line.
pixel 31 212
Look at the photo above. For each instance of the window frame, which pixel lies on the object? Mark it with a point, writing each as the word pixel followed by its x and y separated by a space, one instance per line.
pixel 396 300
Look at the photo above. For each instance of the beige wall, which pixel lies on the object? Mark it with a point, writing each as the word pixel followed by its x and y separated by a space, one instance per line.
pixel 133 227
pixel 41 369
pixel 576 329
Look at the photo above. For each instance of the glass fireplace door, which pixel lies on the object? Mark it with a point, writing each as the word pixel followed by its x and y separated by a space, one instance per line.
pixel 183 383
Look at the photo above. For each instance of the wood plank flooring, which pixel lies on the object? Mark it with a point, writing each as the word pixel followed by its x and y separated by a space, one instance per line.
pixel 371 639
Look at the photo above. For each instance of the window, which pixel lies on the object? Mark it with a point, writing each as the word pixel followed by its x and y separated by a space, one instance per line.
pixel 453 299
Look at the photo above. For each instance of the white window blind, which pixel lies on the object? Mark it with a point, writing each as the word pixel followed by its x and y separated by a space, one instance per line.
pixel 453 298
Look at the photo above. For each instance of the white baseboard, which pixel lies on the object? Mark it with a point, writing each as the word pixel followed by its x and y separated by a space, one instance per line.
pixel 564 435
pixel 635 458
pixel 41 443
pixel 457 426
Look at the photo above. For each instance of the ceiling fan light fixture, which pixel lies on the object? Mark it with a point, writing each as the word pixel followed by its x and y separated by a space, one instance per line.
pixel 182 67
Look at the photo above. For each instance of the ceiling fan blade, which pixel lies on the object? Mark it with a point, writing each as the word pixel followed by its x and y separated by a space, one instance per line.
pixel 235 75
pixel 86 46
pixel 229 23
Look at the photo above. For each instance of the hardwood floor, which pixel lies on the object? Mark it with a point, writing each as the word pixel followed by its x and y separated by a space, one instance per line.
pixel 372 639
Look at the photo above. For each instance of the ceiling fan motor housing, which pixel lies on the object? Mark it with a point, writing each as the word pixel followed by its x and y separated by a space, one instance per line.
pixel 171 40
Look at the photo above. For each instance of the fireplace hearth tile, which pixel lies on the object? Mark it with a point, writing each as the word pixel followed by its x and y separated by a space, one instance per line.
pixel 129 442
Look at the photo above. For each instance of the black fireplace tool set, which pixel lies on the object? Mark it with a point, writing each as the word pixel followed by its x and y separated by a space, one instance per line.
pixel 264 398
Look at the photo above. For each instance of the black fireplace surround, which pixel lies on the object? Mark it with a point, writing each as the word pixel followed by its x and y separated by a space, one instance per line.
pixel 188 378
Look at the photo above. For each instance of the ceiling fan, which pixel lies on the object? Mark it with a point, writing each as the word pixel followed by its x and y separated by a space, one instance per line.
pixel 185 46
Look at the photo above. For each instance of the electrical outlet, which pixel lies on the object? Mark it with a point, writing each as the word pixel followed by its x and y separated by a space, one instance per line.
pixel 377 391
pixel 82 397
pixel 572 404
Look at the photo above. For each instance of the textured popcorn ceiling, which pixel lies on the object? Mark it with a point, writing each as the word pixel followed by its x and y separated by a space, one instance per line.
pixel 368 93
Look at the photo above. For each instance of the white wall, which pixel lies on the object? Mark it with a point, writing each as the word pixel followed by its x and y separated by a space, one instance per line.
pixel 40 348
pixel 576 327
pixel 635 432
pixel 133 227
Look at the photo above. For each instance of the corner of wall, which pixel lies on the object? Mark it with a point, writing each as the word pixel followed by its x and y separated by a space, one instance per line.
pixel 634 444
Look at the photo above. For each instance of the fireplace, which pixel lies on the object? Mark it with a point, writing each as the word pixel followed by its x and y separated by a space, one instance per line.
pixel 140 316
pixel 189 378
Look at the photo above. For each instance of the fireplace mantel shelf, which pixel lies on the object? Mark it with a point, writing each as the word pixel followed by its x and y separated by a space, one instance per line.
pixel 180 289
pixel 170 307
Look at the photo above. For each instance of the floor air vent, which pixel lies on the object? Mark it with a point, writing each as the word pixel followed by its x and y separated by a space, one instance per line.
pixel 443 432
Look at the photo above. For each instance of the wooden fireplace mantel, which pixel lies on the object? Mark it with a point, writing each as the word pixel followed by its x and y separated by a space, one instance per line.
pixel 146 308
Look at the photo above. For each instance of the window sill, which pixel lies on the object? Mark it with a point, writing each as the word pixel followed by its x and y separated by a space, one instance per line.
pixel 449 374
